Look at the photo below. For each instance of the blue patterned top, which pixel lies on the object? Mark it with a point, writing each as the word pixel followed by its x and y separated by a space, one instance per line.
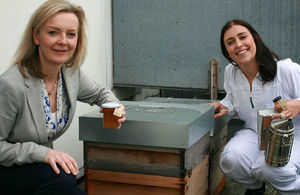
pixel 55 122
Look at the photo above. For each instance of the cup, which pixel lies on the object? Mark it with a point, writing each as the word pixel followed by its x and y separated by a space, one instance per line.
pixel 110 114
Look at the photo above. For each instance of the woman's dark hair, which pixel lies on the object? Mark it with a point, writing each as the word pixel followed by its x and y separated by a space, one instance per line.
pixel 266 59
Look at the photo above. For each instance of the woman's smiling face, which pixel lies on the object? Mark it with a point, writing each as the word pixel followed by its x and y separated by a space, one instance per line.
pixel 57 39
pixel 240 45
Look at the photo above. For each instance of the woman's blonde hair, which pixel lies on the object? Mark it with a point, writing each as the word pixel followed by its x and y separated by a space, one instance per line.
pixel 27 56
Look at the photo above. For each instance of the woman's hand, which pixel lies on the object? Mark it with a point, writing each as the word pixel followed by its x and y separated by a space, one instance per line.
pixel 67 163
pixel 220 109
pixel 292 110
pixel 123 116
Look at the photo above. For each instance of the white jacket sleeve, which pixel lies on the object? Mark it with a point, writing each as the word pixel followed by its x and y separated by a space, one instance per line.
pixel 228 100
pixel 289 73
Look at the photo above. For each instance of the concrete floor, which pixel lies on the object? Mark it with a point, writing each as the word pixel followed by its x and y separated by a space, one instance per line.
pixel 233 188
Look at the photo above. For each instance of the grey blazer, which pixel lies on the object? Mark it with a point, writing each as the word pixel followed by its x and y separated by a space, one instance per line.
pixel 23 134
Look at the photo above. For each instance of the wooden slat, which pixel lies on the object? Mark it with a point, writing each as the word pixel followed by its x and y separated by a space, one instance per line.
pixel 134 178
pixel 221 186
pixel 216 175
pixel 197 181
pixel 133 161
pixel 110 188
pixel 213 88
pixel 130 156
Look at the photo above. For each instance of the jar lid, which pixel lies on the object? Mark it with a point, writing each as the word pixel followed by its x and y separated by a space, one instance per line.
pixel 277 98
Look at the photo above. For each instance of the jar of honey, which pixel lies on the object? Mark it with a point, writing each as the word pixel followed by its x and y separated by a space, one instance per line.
pixel 281 102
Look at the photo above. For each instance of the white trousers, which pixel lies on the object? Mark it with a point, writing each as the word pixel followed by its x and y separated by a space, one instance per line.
pixel 242 161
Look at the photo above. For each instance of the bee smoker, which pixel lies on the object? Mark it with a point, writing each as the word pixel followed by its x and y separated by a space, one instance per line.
pixel 275 136
pixel 280 141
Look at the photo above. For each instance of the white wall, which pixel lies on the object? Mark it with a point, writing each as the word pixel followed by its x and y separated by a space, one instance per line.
pixel 14 15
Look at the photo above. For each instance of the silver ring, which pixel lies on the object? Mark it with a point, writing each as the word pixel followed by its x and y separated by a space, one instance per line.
pixel 282 115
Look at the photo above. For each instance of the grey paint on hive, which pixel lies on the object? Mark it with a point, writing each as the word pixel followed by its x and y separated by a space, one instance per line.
pixel 155 124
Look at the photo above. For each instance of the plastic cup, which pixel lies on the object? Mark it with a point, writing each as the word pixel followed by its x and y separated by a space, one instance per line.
pixel 110 119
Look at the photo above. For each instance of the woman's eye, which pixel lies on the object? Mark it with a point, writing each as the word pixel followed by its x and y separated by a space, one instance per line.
pixel 243 37
pixel 229 42
pixel 72 34
pixel 52 32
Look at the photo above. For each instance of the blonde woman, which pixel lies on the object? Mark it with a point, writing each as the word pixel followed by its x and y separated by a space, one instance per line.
pixel 38 97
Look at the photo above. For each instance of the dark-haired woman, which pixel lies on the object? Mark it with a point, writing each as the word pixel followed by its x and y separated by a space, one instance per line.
pixel 254 77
